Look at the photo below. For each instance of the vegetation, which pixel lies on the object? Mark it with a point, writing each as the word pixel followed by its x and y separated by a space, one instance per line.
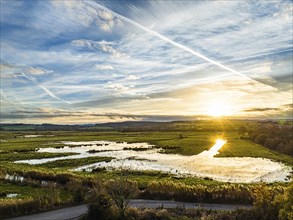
pixel 51 185
pixel 274 136
pixel 66 164
pixel 270 203
pixel 31 198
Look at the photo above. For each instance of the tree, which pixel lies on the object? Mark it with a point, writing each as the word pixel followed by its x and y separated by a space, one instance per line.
pixel 100 209
pixel 286 209
pixel 260 139
pixel 242 130
pixel 121 190
pixel 270 143
pixel 100 206
pixel 289 147
pixel 265 203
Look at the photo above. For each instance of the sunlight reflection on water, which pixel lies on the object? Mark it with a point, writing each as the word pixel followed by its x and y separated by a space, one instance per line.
pixel 214 150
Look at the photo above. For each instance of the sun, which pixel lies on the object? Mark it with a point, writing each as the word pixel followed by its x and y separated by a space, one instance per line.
pixel 218 109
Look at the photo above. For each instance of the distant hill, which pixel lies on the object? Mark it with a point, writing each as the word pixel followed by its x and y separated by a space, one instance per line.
pixel 84 127
pixel 196 125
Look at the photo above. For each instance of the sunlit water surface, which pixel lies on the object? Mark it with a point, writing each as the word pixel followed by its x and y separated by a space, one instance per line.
pixel 126 155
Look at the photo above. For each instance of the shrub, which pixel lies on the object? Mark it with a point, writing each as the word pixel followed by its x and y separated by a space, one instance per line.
pixel 101 209
pixel 13 207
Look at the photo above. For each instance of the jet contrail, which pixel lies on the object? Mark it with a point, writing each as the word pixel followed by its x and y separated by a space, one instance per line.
pixel 44 88
pixel 191 68
pixel 258 55
pixel 178 45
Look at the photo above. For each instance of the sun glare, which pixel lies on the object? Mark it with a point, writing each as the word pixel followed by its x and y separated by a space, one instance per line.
pixel 218 145
pixel 214 150
pixel 219 109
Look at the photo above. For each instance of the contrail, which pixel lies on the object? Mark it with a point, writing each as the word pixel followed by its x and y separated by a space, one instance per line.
pixel 166 39
pixel 258 55
pixel 44 88
pixel 240 59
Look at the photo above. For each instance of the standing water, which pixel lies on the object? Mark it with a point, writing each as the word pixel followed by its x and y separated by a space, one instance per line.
pixel 142 156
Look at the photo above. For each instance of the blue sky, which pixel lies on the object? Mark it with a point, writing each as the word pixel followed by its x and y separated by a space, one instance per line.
pixel 97 61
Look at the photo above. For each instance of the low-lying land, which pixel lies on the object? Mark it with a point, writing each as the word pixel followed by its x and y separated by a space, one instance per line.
pixel 64 186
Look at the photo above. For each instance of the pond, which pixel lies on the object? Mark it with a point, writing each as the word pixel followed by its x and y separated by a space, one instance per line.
pixel 36 135
pixel 143 156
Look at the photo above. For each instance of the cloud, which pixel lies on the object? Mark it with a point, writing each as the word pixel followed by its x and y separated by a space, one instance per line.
pixel 178 45
pixel 27 72
pixel 84 13
pixel 288 105
pixel 37 71
pixel 132 77
pixel 119 89
pixel 11 69
pixel 282 111
pixel 71 117
pixel 103 45
pixel 104 67
pixel 261 109
pixel 106 15
pixel 84 53
pixel 51 94
pixel 63 116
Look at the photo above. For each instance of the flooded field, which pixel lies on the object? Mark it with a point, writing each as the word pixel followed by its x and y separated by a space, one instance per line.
pixel 142 156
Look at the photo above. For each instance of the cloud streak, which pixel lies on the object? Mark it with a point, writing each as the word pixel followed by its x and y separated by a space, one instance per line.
pixel 51 94
pixel 178 45
pixel 158 60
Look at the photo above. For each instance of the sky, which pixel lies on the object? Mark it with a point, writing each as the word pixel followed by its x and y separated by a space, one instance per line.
pixel 102 61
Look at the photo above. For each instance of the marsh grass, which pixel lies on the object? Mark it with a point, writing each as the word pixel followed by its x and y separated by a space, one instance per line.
pixel 72 163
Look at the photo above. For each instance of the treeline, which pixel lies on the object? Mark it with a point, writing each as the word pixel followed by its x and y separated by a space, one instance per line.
pixel 195 126
pixel 274 136
pixel 129 126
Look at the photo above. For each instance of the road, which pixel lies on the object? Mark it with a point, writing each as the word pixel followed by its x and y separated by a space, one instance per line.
pixel 152 204
pixel 77 211
pixel 59 214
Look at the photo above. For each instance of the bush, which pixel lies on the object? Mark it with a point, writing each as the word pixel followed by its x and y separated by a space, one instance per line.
pixel 9 207
pixel 77 189
pixel 101 209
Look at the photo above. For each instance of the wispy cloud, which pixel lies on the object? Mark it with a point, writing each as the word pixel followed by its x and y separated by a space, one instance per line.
pixel 104 67
pixel 181 46
pixel 44 88
pixel 37 71
pixel 14 73
pixel 261 109
pixel 103 45
pixel 146 58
